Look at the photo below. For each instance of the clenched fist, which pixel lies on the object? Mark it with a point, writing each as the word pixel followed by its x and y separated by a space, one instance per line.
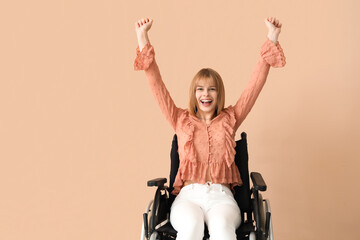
pixel 143 25
pixel 274 27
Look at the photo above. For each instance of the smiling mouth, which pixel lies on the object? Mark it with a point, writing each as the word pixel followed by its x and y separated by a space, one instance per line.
pixel 206 103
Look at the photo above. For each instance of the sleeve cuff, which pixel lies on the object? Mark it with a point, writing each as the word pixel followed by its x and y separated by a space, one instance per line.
pixel 273 54
pixel 144 58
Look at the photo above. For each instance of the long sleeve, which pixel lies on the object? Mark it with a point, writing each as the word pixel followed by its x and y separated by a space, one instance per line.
pixel 145 60
pixel 270 55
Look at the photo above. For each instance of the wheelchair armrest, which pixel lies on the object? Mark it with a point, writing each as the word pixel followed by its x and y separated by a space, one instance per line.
pixel 258 181
pixel 157 182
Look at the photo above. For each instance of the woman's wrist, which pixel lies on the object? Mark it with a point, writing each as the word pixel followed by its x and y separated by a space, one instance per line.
pixel 143 39
pixel 273 37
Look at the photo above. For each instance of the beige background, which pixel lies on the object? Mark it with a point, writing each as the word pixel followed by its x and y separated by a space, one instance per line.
pixel 80 132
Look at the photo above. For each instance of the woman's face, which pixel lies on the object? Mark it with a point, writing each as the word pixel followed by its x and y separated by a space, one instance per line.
pixel 206 96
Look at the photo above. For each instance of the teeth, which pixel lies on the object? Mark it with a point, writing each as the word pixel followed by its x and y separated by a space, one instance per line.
pixel 206 101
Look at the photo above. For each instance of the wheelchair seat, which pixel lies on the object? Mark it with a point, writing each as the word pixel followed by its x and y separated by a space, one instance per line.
pixel 255 212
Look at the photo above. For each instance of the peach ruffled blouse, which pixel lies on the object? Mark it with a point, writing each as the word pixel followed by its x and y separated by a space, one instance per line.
pixel 203 146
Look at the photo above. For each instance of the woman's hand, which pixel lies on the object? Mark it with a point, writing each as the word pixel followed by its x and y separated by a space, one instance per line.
pixel 143 25
pixel 274 27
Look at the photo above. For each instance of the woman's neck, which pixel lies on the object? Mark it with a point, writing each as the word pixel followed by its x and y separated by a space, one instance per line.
pixel 205 117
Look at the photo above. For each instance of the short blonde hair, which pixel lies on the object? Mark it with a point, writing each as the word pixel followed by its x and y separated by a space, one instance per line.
pixel 207 73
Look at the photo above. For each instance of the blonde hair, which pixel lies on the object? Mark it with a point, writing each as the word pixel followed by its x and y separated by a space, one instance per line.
pixel 207 73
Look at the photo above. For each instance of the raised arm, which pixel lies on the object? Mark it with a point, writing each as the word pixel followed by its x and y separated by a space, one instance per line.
pixel 145 60
pixel 271 54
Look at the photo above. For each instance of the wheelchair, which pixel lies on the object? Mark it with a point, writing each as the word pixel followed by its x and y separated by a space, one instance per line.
pixel 256 221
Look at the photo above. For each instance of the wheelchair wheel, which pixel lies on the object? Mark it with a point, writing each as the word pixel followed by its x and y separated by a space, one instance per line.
pixel 268 210
pixel 261 212
pixel 146 222
pixel 154 236
pixel 259 216
pixel 150 218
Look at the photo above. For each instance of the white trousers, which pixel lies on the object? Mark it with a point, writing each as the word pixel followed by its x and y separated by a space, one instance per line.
pixel 213 204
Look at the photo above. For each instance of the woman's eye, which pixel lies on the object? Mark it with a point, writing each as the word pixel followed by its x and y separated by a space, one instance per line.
pixel 199 89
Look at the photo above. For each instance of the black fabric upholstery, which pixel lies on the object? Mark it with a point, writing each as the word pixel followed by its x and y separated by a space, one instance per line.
pixel 242 193
pixel 174 156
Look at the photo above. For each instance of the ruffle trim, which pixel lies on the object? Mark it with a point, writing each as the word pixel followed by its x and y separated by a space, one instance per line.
pixel 223 173
pixel 144 58
pixel 189 148
pixel 273 54
pixel 229 124
pixel 187 171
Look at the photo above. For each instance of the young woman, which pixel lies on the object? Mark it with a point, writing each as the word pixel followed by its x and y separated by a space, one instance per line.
pixel 206 132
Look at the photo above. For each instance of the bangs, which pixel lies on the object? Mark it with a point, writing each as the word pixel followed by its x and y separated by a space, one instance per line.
pixel 210 80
